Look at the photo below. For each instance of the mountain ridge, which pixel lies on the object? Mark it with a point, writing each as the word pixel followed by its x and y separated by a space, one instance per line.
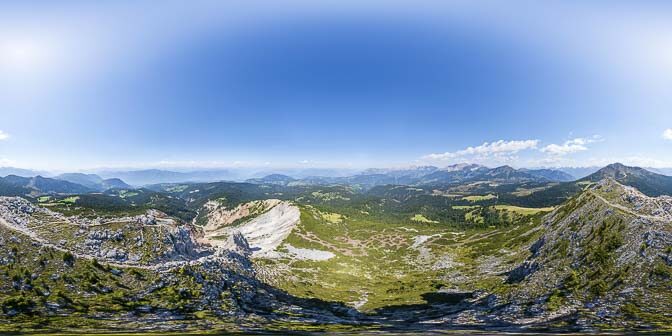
pixel 649 183
pixel 605 248
pixel 431 175
pixel 93 181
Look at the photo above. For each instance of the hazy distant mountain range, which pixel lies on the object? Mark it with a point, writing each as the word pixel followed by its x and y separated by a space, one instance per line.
pixel 155 176
pixel 426 175
pixel 13 185
pixel 93 181
pixel 421 175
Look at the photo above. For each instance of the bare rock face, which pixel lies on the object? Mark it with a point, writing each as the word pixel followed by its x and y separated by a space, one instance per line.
pixel 181 242
pixel 220 216
pixel 264 225
pixel 238 244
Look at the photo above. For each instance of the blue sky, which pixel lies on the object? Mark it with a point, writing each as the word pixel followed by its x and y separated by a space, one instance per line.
pixel 334 84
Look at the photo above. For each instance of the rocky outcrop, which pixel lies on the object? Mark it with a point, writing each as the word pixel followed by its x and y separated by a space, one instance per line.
pixel 238 244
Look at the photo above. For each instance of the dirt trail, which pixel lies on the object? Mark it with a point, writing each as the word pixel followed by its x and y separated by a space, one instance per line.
pixel 628 210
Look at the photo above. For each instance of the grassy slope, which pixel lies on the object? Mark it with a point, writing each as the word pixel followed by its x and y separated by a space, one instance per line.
pixel 377 264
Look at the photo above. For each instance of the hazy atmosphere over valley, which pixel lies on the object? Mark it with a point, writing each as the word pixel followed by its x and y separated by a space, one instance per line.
pixel 356 167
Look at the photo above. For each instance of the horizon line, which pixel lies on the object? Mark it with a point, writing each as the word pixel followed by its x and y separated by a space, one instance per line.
pixel 263 167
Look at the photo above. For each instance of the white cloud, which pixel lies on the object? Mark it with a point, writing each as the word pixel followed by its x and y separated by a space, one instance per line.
pixel 3 135
pixel 667 134
pixel 571 146
pixel 501 148
pixel 6 162
pixel 507 152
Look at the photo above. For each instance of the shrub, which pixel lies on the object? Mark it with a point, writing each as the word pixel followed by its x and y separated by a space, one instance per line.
pixel 68 258
pixel 630 310
pixel 598 288
pixel 661 270
pixel 21 304
pixel 137 274
pixel 555 300
pixel 572 280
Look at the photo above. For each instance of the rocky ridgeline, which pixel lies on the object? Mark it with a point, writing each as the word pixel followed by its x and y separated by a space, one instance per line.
pixel 602 254
pixel 19 210
pixel 172 244
pixel 222 282
pixel 630 197
pixel 149 238
pixel 135 241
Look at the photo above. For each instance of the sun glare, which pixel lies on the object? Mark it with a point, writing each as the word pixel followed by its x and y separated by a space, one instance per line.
pixel 21 56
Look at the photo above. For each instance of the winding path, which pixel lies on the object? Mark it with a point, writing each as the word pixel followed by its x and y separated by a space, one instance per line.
pixel 628 210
